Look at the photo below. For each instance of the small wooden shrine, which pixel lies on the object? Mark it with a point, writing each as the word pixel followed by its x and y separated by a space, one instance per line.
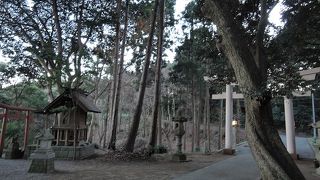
pixel 70 110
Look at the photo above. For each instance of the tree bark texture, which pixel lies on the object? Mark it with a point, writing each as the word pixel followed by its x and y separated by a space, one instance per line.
pixel 155 113
pixel 267 148
pixel 115 109
pixel 193 104
pixel 129 146
pixel 94 120
pixel 114 81
pixel 200 115
pixel 159 126
pixel 60 47
pixel 207 119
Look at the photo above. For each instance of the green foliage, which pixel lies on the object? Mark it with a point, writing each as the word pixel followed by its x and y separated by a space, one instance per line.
pixel 3 73
pixel 4 98
pixel 302 110
pixel 296 47
pixel 139 27
pixel 30 37
pixel 24 94
pixel 303 116
pixel 14 129
pixel 198 57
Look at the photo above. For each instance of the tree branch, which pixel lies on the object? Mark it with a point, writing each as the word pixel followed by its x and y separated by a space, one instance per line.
pixel 260 55
pixel 59 35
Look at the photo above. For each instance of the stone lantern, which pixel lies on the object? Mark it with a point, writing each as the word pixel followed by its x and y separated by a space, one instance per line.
pixel 179 132
pixel 235 125
pixel 42 160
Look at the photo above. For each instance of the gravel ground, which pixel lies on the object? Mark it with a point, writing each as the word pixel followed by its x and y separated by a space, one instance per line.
pixel 100 169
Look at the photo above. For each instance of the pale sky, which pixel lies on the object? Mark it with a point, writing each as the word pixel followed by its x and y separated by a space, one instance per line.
pixel 275 15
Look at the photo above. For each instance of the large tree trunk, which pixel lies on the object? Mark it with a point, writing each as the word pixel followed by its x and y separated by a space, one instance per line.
pixel 267 148
pixel 105 123
pixel 159 130
pixel 94 119
pixel 129 146
pixel 155 113
pixel 193 107
pixel 169 117
pixel 50 92
pixel 56 17
pixel 207 119
pixel 199 114
pixel 113 139
pixel 109 118
pixel 93 123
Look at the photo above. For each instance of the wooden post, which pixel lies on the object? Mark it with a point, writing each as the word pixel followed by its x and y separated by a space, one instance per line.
pixel 66 137
pixel 26 130
pixel 58 136
pixel 3 130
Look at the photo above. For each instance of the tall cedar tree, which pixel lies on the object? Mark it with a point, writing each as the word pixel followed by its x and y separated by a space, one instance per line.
pixel 119 80
pixel 155 112
pixel 113 116
pixel 129 146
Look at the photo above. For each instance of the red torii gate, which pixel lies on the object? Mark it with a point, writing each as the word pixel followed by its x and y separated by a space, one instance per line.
pixel 7 116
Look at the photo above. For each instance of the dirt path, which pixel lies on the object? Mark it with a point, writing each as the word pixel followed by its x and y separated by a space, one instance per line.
pixel 100 169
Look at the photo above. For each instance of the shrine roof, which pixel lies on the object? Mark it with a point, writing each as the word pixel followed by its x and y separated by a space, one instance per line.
pixel 6 106
pixel 69 98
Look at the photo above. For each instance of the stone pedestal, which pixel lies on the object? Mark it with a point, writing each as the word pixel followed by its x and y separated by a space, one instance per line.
pixel 41 163
pixel 229 151
pixel 180 157
pixel 318 171
pixel 42 160
pixel 295 156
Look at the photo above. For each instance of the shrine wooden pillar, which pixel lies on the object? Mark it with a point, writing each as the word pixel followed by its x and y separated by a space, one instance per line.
pixel 58 137
pixel 3 130
pixel 66 138
pixel 26 130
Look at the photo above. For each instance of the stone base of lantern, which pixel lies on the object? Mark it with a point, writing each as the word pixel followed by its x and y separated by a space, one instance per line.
pixel 318 171
pixel 229 151
pixel 42 161
pixel 294 156
pixel 179 157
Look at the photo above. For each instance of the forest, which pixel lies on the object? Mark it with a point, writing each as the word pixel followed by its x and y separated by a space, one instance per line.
pixel 120 52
